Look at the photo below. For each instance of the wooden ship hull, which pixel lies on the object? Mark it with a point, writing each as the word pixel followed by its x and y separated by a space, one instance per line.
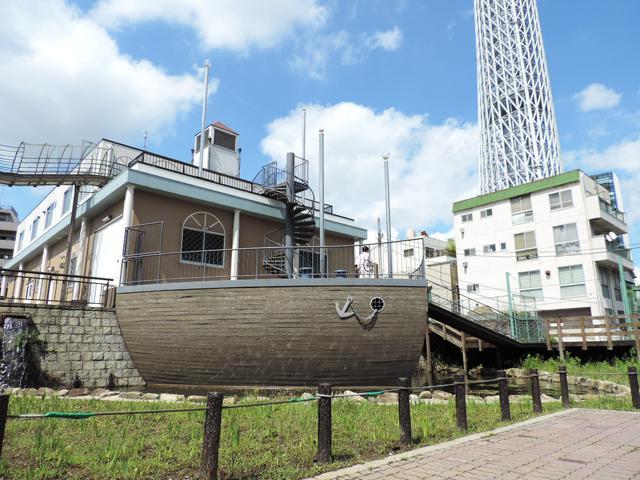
pixel 273 333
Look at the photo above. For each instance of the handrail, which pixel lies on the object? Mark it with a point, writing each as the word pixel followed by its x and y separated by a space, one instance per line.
pixel 53 274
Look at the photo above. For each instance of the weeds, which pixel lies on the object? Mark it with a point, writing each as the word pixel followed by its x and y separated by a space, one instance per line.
pixel 601 370
pixel 265 442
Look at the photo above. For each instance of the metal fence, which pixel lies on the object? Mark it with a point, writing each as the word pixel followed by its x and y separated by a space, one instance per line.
pixel 42 288
pixel 272 262
pixel 525 327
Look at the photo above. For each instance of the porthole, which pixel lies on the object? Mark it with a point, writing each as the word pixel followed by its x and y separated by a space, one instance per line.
pixel 377 304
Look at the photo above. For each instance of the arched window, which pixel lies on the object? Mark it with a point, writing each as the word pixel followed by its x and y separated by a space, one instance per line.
pixel 203 239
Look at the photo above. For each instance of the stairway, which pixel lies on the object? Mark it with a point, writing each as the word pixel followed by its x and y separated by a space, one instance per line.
pixel 274 183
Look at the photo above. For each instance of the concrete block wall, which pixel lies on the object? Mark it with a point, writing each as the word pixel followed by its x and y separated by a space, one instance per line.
pixel 81 342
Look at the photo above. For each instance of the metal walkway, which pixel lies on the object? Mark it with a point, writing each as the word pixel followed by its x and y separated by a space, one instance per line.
pixel 44 164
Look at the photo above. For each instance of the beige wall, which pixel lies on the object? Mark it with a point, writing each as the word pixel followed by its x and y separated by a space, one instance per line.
pixel 151 207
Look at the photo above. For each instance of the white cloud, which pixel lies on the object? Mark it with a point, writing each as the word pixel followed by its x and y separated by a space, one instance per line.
pixel 430 165
pixel 229 24
pixel 388 40
pixel 64 80
pixel 597 97
pixel 315 51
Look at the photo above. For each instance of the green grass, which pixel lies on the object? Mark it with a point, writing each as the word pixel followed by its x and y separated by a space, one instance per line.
pixel 265 442
pixel 273 442
pixel 614 370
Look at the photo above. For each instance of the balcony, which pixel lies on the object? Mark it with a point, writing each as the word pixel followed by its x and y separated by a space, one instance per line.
pixel 604 218
pixel 607 253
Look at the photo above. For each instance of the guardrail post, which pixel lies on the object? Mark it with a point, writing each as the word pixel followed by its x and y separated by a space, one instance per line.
pixel 404 410
pixel 564 386
pixel 535 390
pixel 461 402
pixel 324 423
pixel 633 384
pixel 211 442
pixel 503 391
pixel 4 407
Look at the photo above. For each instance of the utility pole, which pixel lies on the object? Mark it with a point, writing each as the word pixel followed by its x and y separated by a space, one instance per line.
pixel 623 289
pixel 510 302
pixel 204 114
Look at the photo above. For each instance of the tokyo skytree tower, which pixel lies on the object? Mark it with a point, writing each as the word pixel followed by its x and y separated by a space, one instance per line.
pixel 518 133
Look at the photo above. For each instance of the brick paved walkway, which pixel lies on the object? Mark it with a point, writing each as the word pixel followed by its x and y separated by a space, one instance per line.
pixel 574 444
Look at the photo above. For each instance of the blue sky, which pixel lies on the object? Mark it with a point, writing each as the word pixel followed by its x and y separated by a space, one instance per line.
pixel 395 76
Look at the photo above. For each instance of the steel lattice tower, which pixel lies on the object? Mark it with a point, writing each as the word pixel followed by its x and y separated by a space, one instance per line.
pixel 518 132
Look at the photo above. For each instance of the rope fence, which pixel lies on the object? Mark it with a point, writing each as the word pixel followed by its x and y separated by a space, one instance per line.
pixel 324 396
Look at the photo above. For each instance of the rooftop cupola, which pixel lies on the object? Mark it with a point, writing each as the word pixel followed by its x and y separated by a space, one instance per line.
pixel 221 153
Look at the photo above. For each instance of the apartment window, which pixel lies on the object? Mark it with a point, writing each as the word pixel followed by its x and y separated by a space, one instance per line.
pixel 489 248
pixel 604 282
pixel 560 200
pixel 197 149
pixel 431 252
pixel 49 215
pixel 20 240
pixel 469 252
pixel 28 294
pixel 462 233
pixel 572 281
pixel 525 245
pixel 503 246
pixel 473 287
pixel 530 284
pixel 566 239
pixel 521 210
pixel 408 252
pixel 467 217
pixel 66 200
pixel 617 292
pixel 34 228
pixel 486 213
pixel 203 240
pixel 608 311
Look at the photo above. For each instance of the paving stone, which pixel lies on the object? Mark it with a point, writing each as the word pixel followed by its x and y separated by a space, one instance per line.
pixel 575 444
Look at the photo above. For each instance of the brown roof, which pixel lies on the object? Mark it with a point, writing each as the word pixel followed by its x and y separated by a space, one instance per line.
pixel 222 126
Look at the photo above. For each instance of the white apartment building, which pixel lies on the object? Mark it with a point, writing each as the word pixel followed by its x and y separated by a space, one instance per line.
pixel 557 239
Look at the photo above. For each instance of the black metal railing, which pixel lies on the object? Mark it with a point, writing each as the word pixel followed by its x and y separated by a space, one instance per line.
pixel 45 288
pixel 269 262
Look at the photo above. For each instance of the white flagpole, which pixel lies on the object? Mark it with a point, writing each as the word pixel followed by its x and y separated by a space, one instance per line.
pixel 204 114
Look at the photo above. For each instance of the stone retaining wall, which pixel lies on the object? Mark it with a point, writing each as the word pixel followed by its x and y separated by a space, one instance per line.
pixel 82 344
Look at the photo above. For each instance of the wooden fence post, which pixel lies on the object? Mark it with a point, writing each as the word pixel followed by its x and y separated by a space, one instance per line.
pixel 324 423
pixel 560 339
pixel 404 410
pixel 212 429
pixel 461 402
pixel 564 386
pixel 4 407
pixel 503 391
pixel 633 384
pixel 535 390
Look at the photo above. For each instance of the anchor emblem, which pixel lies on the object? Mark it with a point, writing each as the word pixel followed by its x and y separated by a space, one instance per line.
pixel 343 312
pixel 346 311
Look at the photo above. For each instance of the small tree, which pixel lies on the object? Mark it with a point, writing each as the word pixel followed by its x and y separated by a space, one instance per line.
pixel 451 247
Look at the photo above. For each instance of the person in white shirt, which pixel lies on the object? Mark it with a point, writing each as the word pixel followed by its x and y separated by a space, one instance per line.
pixel 364 267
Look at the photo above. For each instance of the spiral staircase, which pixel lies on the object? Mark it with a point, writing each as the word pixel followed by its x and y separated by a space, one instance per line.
pixel 299 210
